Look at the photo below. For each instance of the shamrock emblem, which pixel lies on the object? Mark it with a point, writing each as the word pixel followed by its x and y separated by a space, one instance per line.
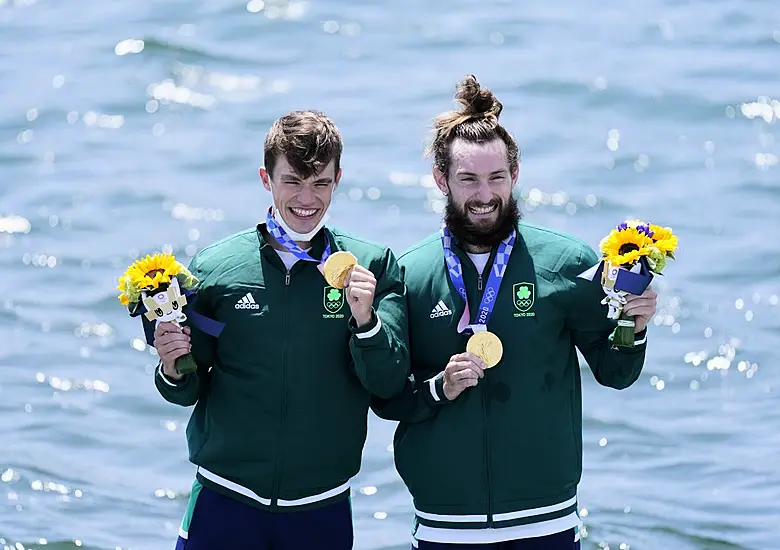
pixel 523 293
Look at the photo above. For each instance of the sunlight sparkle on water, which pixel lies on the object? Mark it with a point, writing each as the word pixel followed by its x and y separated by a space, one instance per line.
pixel 129 46
pixel 101 330
pixel 111 122
pixel 193 75
pixel 39 260
pixel 765 160
pixel 14 224
pixel 278 9
pixel 404 179
pixel 64 384
pixel 183 211
pixel 165 493
pixel 765 108
pixel 168 92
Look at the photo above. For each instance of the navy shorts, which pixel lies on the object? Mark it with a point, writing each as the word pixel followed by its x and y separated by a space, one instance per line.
pixel 216 522
pixel 566 540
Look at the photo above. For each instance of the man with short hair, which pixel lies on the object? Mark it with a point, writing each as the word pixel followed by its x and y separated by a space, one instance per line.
pixel 490 436
pixel 281 398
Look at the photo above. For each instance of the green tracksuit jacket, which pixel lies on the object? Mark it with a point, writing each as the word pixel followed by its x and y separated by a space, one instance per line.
pixel 282 397
pixel 508 452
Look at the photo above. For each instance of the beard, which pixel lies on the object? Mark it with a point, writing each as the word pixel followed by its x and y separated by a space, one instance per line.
pixel 471 234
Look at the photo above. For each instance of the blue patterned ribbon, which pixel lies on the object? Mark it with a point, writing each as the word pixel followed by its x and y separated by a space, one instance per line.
pixel 489 295
pixel 281 236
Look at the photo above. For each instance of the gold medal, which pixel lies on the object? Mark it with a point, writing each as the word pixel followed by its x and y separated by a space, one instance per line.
pixel 337 266
pixel 487 347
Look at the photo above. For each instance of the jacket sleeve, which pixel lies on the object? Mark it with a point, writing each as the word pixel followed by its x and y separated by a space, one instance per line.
pixel 612 366
pixel 187 391
pixel 422 394
pixel 417 402
pixel 380 351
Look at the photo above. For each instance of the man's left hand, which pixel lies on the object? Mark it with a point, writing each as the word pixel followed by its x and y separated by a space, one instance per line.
pixel 641 308
pixel 360 288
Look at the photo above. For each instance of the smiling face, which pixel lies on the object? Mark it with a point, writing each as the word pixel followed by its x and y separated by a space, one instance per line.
pixel 481 210
pixel 302 202
pixel 302 157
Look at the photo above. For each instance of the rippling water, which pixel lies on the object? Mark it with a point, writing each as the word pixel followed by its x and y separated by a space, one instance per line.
pixel 135 126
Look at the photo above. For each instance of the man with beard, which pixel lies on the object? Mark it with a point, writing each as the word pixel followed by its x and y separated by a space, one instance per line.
pixel 281 399
pixel 493 456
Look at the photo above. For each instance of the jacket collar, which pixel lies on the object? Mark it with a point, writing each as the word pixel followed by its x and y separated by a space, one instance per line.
pixel 317 243
pixel 463 255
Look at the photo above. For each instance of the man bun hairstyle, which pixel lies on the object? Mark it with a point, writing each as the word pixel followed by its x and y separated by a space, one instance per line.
pixel 476 121
pixel 309 140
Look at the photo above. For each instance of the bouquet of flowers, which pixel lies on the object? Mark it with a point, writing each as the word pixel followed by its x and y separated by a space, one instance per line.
pixel 160 288
pixel 633 253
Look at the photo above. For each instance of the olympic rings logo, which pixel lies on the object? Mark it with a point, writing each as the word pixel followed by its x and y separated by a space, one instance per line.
pixel 490 294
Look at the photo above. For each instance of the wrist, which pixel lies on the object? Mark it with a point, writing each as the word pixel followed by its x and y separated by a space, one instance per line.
pixel 362 319
pixel 169 370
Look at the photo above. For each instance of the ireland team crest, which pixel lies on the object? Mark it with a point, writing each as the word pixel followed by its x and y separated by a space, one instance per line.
pixel 523 296
pixel 333 299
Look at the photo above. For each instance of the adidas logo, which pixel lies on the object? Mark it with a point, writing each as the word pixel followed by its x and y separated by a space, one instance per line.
pixel 247 302
pixel 441 310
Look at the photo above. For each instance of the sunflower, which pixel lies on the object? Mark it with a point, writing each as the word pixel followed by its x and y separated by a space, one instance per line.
pixel 149 273
pixel 664 239
pixel 624 246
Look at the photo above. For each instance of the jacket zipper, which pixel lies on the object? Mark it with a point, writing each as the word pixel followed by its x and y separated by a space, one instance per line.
pixel 485 429
pixel 483 384
pixel 280 458
pixel 487 452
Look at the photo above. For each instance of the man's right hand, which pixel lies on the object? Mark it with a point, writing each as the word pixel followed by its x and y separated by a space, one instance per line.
pixel 463 371
pixel 171 342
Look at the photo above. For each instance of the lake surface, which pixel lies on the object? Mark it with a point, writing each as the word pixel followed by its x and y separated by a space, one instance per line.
pixel 127 127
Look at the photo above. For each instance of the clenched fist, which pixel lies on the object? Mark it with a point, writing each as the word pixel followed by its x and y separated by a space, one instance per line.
pixel 641 308
pixel 463 371
pixel 360 288
pixel 171 342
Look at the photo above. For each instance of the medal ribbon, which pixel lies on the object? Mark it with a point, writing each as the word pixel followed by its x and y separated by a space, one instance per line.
pixel 489 295
pixel 289 245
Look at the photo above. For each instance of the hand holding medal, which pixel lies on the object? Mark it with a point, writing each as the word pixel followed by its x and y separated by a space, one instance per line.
pixel 337 267
pixel 341 270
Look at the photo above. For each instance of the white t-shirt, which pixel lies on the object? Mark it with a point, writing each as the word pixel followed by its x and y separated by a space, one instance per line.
pixel 288 258
pixel 480 260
